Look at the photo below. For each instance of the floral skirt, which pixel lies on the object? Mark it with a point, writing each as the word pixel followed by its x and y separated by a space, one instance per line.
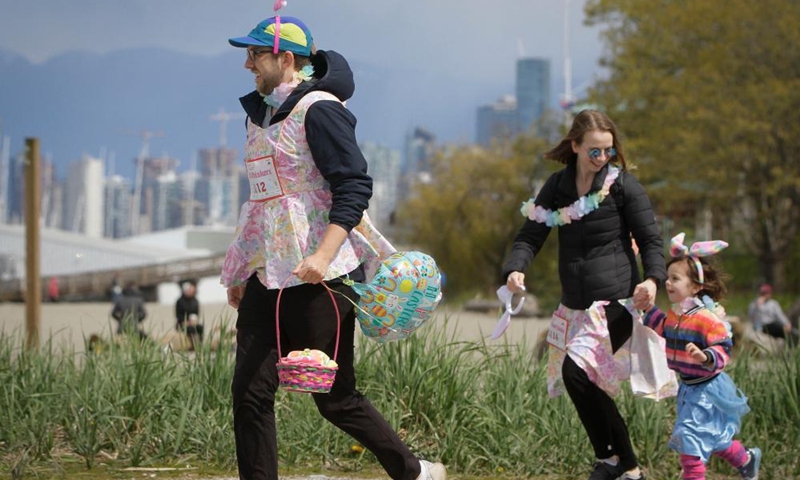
pixel 588 343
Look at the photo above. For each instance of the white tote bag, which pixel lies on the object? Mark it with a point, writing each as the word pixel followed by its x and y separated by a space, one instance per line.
pixel 650 376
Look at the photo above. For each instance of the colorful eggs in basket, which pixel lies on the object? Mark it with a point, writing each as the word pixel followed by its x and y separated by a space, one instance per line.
pixel 316 357
pixel 400 298
pixel 307 371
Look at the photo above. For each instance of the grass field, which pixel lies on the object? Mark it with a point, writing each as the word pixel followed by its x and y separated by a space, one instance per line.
pixel 480 408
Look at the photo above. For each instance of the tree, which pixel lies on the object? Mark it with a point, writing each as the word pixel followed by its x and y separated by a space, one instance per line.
pixel 707 93
pixel 466 217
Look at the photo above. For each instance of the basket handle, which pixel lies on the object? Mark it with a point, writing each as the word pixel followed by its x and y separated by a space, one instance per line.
pixel 278 318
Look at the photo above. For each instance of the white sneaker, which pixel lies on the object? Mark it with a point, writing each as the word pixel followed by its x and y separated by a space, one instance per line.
pixel 431 471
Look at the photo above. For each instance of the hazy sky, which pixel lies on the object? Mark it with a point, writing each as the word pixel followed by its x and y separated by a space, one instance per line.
pixel 459 37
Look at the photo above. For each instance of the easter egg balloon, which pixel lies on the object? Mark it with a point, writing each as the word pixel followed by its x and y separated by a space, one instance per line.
pixel 400 298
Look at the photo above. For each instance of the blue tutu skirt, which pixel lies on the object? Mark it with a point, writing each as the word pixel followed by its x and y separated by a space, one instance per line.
pixel 709 416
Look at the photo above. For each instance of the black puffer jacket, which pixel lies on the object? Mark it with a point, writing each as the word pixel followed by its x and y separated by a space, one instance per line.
pixel 595 257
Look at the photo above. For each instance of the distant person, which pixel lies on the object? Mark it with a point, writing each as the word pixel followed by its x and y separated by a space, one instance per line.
pixel 305 222
pixel 115 291
pixel 767 316
pixel 698 347
pixel 129 311
pixel 52 289
pixel 187 313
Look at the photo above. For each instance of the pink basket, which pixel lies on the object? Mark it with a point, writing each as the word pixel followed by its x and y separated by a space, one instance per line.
pixel 297 375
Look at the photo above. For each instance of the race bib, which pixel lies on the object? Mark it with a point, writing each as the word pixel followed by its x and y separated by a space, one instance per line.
pixel 263 176
pixel 557 333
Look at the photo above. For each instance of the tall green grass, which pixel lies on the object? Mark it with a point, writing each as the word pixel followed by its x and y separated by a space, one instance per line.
pixel 481 408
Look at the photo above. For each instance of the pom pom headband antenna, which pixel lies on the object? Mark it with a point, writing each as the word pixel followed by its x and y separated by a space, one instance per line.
pixel 275 7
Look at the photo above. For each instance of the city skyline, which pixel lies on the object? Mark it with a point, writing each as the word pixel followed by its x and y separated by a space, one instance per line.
pixel 146 141
pixel 96 200
pixel 430 80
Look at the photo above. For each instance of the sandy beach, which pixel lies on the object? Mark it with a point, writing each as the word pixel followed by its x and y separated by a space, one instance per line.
pixel 68 324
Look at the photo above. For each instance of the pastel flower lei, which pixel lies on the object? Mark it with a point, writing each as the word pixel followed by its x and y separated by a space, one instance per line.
pixel 577 210
pixel 282 91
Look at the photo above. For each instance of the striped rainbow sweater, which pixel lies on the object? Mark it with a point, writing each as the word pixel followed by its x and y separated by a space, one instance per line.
pixel 697 325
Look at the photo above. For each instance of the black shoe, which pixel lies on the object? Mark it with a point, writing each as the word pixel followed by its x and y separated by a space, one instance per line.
pixel 604 471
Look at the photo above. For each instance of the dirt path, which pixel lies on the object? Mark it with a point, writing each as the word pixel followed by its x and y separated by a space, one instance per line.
pixel 69 323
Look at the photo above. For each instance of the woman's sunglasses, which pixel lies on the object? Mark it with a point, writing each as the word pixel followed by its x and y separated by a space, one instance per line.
pixel 595 153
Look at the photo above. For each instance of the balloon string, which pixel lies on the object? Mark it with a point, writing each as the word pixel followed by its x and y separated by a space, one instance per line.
pixel 372 317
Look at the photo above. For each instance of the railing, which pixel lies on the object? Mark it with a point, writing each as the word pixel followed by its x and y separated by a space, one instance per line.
pixel 96 285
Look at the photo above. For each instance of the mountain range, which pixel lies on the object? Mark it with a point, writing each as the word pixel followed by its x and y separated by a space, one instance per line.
pixel 99 104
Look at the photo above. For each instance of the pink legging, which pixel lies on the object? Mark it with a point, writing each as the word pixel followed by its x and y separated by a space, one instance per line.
pixel 695 469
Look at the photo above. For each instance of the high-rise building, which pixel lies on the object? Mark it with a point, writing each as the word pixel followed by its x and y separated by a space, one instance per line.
pixel 221 161
pixel 497 121
pixel 119 200
pixel 84 199
pixel 149 171
pixel 384 168
pixel 419 150
pixel 218 188
pixel 219 198
pixel 5 168
pixel 513 115
pixel 193 210
pixel 55 216
pixel 51 191
pixel 16 189
pixel 533 90
pixel 167 202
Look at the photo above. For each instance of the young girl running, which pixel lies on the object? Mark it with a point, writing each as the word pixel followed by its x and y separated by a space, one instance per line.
pixel 698 345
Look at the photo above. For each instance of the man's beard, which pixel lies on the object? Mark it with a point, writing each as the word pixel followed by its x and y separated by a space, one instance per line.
pixel 266 85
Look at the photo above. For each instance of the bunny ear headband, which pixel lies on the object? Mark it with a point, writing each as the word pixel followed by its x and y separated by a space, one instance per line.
pixel 698 249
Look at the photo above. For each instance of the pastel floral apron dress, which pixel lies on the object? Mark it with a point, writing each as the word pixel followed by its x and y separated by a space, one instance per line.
pixel 287 214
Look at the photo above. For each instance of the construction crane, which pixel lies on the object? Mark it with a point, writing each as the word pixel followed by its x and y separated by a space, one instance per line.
pixel 567 100
pixel 144 153
pixel 223 118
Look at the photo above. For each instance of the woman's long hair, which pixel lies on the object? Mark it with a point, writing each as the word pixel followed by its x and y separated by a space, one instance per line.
pixel 586 121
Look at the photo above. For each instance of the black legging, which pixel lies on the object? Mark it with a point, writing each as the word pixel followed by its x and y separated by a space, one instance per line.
pixel 598 412
pixel 307 321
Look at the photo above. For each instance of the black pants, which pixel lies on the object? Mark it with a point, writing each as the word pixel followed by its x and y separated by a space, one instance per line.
pixel 598 412
pixel 775 329
pixel 129 326
pixel 307 320
pixel 193 332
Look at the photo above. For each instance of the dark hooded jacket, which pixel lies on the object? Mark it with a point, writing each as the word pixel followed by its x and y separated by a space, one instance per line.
pixel 184 307
pixel 129 307
pixel 330 131
pixel 596 260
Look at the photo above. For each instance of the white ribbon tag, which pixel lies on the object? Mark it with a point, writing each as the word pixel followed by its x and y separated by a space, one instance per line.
pixel 263 176
pixel 557 332
pixel 505 296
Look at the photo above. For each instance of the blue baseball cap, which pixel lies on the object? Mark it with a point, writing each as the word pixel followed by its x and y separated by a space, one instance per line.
pixel 294 36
